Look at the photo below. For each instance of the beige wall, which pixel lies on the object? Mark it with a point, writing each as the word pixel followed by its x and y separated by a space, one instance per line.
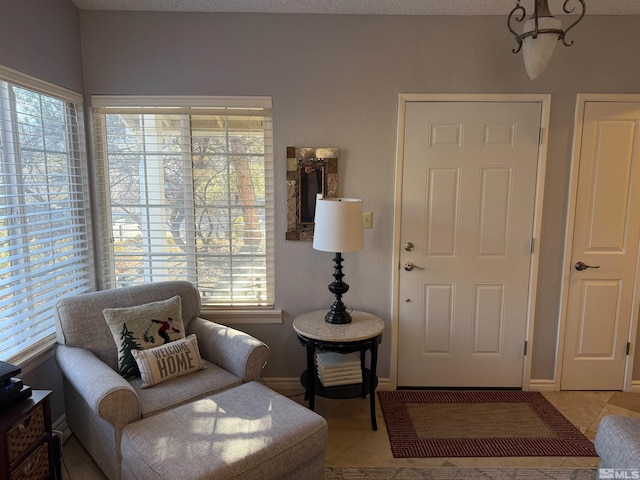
pixel 335 82
pixel 42 38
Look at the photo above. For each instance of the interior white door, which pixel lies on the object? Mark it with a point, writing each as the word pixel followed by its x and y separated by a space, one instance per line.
pixel 468 197
pixel 605 235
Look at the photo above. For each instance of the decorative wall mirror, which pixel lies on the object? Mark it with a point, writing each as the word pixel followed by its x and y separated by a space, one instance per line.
pixel 310 172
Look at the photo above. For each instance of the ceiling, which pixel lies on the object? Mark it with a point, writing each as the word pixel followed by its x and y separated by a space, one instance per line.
pixel 373 7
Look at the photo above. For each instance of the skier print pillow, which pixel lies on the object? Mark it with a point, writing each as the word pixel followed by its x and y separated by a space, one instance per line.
pixel 175 359
pixel 141 327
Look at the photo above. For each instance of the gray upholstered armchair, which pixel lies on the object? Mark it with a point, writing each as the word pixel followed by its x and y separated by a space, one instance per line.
pixel 99 402
pixel 618 442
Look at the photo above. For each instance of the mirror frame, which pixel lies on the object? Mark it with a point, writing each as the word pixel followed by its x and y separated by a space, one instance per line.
pixel 325 159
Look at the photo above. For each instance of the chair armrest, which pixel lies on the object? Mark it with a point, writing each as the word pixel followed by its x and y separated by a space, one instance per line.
pixel 233 350
pixel 617 442
pixel 108 394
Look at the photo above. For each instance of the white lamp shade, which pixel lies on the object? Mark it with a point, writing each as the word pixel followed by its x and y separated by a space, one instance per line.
pixel 338 225
pixel 538 51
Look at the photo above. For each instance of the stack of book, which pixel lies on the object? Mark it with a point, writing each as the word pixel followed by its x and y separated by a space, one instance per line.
pixel 12 390
pixel 338 368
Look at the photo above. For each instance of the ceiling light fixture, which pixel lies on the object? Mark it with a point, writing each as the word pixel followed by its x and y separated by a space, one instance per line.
pixel 540 33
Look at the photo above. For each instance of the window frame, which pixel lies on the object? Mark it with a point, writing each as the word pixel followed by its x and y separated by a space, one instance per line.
pixel 78 226
pixel 103 104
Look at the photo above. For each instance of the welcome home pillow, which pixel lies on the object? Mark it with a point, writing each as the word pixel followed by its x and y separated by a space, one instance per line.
pixel 175 359
pixel 141 327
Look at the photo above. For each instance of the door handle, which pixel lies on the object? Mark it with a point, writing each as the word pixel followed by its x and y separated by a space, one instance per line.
pixel 410 266
pixel 580 266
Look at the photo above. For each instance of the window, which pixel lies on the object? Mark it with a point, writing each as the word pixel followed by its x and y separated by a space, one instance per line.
pixel 45 245
pixel 188 194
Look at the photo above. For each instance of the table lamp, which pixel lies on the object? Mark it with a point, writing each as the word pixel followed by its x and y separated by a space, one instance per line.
pixel 338 228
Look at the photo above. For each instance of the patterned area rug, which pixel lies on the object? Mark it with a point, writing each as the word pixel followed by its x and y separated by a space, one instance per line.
pixel 424 424
pixel 354 473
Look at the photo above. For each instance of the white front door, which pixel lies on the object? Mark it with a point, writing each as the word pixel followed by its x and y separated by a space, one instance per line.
pixel 606 230
pixel 468 197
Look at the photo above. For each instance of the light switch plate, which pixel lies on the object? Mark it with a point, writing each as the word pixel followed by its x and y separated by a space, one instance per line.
pixel 367 219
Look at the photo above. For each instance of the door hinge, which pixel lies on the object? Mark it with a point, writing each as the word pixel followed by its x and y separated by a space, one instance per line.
pixel 540 136
pixel 526 344
pixel 628 347
pixel 533 244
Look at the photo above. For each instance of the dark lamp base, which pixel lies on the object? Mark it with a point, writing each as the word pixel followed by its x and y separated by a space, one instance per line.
pixel 338 312
pixel 337 316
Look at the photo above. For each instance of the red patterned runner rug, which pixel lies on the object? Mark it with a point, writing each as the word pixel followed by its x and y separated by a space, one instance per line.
pixel 423 424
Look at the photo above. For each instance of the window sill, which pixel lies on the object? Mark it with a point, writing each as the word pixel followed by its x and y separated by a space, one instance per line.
pixel 239 317
pixel 35 356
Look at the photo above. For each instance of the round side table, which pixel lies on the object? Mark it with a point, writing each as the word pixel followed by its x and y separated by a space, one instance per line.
pixel 362 334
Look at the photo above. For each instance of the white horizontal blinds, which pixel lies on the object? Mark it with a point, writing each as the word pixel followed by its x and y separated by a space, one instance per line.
pixel 189 195
pixel 45 250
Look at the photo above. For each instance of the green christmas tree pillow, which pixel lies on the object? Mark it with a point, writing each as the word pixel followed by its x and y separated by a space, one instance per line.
pixel 141 327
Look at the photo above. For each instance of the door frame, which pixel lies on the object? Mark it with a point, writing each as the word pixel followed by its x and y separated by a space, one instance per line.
pixel 581 100
pixel 403 99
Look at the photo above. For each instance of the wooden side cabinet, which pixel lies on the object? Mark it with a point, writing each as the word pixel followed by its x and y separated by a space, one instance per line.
pixel 26 449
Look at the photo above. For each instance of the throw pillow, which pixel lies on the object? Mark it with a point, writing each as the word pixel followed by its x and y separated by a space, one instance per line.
pixel 141 327
pixel 162 363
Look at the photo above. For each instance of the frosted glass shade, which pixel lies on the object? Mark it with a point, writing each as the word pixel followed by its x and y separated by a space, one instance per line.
pixel 338 225
pixel 538 51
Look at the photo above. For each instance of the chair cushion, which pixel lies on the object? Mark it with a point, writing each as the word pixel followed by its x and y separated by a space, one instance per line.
pixel 184 389
pixel 141 327
pixel 162 363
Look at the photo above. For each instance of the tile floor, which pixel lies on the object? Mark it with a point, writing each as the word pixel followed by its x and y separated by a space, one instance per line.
pixel 353 443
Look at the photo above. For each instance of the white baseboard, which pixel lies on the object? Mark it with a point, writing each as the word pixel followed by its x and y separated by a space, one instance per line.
pixel 384 384
pixel 284 384
pixel 542 385
pixel 61 426
pixel 550 386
